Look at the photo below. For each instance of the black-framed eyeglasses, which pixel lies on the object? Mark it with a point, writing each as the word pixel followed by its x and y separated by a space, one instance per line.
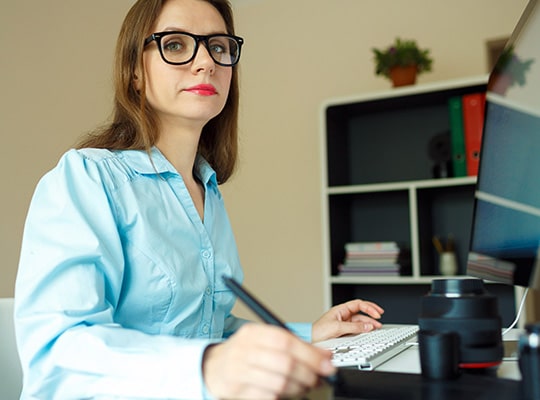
pixel 179 48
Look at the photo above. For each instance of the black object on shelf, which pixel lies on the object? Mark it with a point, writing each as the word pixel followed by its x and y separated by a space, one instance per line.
pixel 440 153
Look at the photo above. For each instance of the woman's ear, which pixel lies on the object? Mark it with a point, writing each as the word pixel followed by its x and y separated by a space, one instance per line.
pixel 137 78
pixel 137 82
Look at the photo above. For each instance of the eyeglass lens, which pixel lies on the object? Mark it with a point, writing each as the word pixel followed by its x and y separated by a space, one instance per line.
pixel 179 48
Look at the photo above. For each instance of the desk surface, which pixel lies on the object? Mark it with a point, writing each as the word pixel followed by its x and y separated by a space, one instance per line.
pixel 400 378
pixel 408 361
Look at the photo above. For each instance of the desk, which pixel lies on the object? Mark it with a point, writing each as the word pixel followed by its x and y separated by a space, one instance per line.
pixel 400 378
pixel 408 361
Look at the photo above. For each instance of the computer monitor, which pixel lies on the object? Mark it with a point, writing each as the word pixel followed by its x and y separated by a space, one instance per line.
pixel 505 236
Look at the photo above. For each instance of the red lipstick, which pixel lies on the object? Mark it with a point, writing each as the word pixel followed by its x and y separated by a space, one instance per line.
pixel 202 90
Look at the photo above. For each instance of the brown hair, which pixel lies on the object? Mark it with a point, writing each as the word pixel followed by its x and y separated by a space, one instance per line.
pixel 134 124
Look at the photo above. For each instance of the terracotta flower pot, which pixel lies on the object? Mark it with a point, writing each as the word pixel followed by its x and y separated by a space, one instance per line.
pixel 499 83
pixel 402 76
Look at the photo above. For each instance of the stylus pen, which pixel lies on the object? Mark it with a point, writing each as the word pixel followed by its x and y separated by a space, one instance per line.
pixel 262 312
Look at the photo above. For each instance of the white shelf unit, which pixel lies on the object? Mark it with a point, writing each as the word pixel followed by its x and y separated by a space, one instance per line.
pixel 378 185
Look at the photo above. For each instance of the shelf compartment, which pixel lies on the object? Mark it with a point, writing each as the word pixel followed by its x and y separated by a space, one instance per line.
pixel 386 139
pixel 444 212
pixel 401 302
pixel 364 217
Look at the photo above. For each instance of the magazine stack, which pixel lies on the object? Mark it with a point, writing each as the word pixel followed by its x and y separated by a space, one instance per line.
pixel 371 258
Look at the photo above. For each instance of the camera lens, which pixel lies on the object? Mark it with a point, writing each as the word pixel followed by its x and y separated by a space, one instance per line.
pixel 465 307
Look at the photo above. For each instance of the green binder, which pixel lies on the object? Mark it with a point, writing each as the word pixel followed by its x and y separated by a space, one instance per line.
pixel 457 138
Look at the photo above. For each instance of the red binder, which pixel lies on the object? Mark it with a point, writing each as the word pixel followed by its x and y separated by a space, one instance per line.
pixel 473 124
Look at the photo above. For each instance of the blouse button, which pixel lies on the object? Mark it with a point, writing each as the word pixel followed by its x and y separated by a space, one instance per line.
pixel 206 254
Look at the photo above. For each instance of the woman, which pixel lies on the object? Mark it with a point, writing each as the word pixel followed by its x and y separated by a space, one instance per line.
pixel 118 292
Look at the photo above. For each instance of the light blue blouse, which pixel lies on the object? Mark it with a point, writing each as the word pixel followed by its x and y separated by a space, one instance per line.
pixel 119 286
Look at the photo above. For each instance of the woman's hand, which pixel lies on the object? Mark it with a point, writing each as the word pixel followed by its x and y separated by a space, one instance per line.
pixel 352 317
pixel 263 361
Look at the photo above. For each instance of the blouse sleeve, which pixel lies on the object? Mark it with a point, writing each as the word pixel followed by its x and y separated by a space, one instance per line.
pixel 68 286
pixel 301 329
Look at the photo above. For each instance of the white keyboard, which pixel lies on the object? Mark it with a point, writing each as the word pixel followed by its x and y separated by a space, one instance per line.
pixel 369 350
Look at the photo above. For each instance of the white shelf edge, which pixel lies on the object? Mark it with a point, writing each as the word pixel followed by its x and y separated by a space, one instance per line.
pixel 413 231
pixel 397 280
pixel 382 280
pixel 408 90
pixel 403 185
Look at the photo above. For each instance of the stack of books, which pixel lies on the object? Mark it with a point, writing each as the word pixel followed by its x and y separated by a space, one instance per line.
pixel 371 258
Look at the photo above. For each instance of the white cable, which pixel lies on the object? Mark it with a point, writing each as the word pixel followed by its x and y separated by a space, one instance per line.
pixel 518 313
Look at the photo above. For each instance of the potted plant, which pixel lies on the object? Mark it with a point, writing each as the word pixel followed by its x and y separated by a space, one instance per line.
pixel 508 71
pixel 402 61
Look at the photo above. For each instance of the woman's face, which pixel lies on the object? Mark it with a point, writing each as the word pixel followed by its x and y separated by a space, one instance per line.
pixel 191 94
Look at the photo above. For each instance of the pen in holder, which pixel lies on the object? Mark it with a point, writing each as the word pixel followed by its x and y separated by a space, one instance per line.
pixel 447 256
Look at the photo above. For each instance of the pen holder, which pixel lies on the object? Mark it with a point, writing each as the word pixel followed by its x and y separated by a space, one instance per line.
pixel 448 263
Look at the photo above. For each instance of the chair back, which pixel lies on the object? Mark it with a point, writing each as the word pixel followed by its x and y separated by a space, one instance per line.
pixel 10 367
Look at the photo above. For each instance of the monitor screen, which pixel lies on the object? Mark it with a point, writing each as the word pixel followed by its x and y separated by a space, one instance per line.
pixel 505 236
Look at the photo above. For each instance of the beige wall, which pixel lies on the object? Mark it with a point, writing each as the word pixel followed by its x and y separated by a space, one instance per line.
pixel 55 80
